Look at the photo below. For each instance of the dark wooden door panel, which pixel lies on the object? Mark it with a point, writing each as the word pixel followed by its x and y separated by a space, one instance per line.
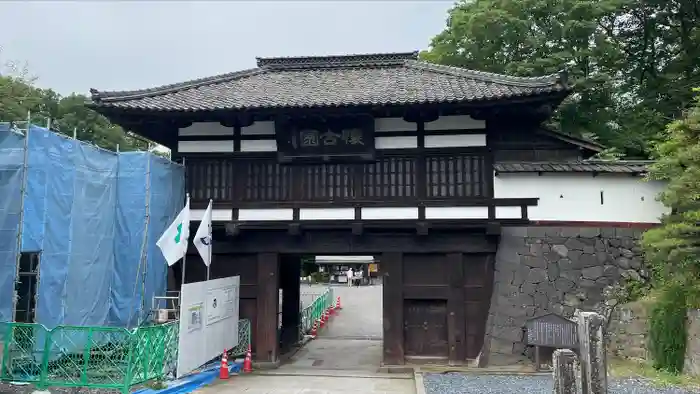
pixel 425 328
pixel 478 282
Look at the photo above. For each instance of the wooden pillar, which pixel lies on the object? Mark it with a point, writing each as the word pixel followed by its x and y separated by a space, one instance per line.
pixel 266 344
pixel 392 269
pixel 456 323
pixel 290 271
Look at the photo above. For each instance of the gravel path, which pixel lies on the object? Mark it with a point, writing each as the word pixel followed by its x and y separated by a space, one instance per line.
pixel 456 383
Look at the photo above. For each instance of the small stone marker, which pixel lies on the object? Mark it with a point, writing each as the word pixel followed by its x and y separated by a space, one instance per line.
pixel 594 372
pixel 567 372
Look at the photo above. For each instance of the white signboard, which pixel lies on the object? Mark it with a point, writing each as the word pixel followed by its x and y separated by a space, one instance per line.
pixel 208 321
pixel 220 304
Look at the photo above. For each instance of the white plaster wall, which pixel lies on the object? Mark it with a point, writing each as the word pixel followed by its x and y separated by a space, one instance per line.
pixel 576 197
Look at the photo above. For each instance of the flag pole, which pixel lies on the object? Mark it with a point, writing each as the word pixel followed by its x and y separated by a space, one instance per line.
pixel 184 257
pixel 211 243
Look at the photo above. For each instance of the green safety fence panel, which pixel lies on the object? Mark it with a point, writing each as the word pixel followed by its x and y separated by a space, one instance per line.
pixel 315 310
pixel 93 357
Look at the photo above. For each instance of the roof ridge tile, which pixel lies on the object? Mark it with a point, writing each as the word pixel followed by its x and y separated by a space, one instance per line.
pixel 123 95
pixel 327 60
pixel 531 82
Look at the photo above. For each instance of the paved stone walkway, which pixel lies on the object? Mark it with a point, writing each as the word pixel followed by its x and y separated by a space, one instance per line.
pixel 265 384
pixel 351 341
pixel 342 360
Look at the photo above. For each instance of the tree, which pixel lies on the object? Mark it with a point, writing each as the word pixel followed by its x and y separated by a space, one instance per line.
pixel 18 97
pixel 632 60
pixel 673 249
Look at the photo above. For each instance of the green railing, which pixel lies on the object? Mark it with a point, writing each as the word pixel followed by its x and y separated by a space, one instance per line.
pixel 314 311
pixel 93 357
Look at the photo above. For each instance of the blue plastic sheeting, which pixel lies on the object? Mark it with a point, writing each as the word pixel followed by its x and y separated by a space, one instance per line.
pixel 95 216
pixel 140 266
pixel 11 159
pixel 191 383
pixel 69 216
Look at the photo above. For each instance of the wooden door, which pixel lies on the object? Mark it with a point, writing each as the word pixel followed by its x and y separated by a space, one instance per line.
pixel 425 328
pixel 478 283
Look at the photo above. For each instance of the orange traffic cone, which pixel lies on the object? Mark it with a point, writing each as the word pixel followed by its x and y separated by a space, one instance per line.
pixel 223 369
pixel 321 322
pixel 248 363
pixel 331 310
pixel 325 315
pixel 314 329
pixel 337 304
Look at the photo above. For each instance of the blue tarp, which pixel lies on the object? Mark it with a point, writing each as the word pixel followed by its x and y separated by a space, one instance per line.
pixel 11 159
pixel 94 216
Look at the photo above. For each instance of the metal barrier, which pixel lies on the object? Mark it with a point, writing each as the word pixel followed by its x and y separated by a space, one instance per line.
pixel 313 312
pixel 93 357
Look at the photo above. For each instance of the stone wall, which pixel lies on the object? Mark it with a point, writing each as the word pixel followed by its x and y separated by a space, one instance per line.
pixel 628 330
pixel 541 270
pixel 691 366
pixel 628 333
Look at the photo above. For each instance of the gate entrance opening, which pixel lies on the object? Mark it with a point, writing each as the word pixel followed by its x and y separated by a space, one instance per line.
pixel 432 303
pixel 352 339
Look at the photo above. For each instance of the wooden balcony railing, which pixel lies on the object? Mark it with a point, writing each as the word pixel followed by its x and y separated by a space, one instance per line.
pixel 392 178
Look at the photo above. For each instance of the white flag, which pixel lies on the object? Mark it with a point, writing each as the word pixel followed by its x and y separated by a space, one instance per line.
pixel 173 242
pixel 202 239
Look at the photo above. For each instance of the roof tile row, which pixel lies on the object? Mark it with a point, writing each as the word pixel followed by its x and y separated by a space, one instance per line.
pixel 379 79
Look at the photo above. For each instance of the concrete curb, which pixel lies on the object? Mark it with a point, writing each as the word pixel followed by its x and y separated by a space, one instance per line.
pixel 418 380
pixel 486 372
pixel 335 374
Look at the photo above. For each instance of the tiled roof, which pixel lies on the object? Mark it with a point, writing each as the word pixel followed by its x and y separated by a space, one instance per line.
pixel 330 81
pixel 620 167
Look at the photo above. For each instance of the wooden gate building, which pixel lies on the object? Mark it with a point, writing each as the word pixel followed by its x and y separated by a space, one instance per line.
pixel 382 155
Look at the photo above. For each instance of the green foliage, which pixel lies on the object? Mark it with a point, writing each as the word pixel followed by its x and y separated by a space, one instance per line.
pixel 667 329
pixel 632 61
pixel 18 97
pixel 320 277
pixel 671 250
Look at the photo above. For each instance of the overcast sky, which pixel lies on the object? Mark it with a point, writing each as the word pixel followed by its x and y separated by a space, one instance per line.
pixel 120 45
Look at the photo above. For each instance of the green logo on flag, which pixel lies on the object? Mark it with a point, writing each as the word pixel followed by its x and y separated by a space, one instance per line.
pixel 179 233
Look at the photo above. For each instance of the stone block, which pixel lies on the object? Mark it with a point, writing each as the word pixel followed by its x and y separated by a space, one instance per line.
pixel 537 275
pixel 589 232
pixel 537 231
pixel 534 261
pixel 563 284
pixel 593 273
pixel 574 244
pixel 591 332
pixel 511 334
pixel 501 346
pixel 561 250
pixel 566 372
pixel 587 260
pixel 622 232
pixel 520 232
pixel 691 363
pixel 552 271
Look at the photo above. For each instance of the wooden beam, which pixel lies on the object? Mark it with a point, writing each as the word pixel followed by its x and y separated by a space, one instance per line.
pixel 392 269
pixel 343 242
pixel 266 342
